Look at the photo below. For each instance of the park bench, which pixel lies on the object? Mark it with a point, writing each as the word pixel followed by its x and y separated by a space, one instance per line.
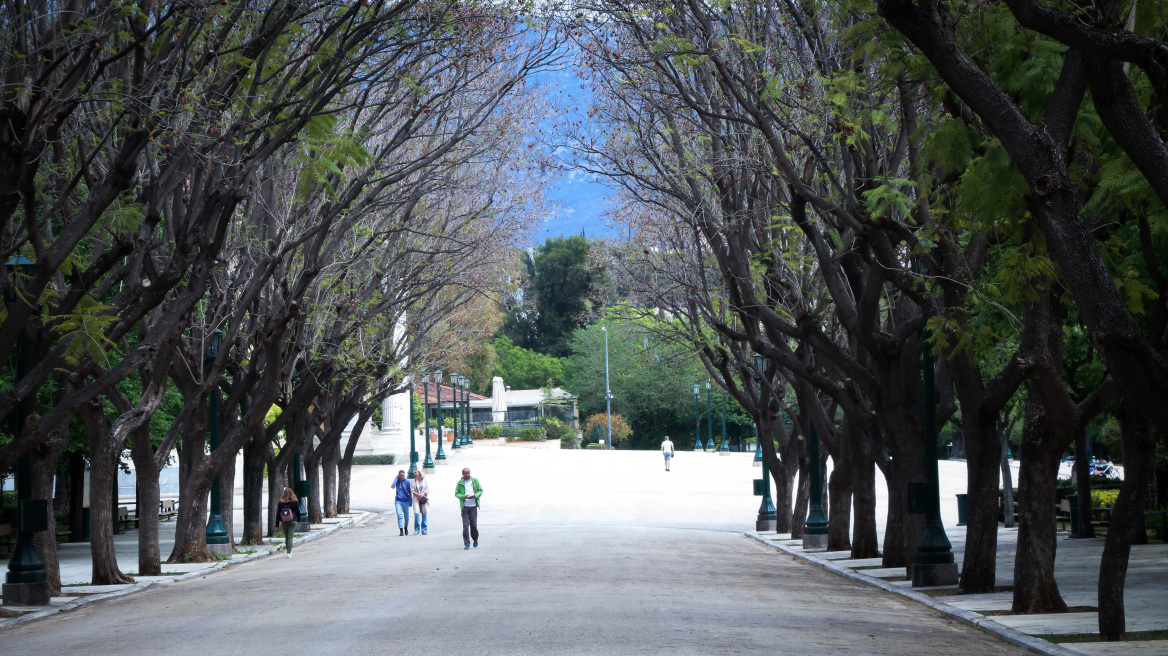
pixel 5 539
pixel 125 520
pixel 167 509
pixel 1161 528
pixel 1063 514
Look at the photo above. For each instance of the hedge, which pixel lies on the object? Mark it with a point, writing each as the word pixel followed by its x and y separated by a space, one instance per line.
pixel 386 459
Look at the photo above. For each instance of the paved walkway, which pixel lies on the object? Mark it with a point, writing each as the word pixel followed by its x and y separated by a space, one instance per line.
pixel 582 552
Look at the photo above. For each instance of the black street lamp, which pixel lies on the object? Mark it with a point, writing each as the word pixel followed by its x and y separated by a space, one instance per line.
pixel 440 456
pixel 218 542
pixel 300 486
pixel 767 516
pixel 725 448
pixel 413 444
pixel 469 418
pixel 709 418
pixel 933 563
pixel 26 583
pixel 428 463
pixel 453 408
pixel 697 418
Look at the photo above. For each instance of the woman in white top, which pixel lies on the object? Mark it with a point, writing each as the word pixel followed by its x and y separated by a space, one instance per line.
pixel 421 502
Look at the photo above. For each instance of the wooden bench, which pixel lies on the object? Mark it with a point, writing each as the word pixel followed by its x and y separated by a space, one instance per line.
pixel 1063 514
pixel 125 520
pixel 6 539
pixel 167 509
pixel 1162 529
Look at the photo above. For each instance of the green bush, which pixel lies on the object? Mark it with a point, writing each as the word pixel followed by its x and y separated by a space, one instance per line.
pixel 532 435
pixel 476 433
pixel 1103 498
pixel 493 431
pixel 511 433
pixel 570 441
pixel 386 459
pixel 554 428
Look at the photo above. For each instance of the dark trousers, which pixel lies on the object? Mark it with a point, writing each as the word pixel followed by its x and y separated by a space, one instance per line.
pixel 470 525
pixel 289 529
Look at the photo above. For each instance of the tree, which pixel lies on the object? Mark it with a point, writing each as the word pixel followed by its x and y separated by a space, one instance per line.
pixel 522 368
pixel 598 425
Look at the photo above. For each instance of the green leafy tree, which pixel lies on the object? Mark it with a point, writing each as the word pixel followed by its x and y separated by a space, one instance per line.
pixel 523 368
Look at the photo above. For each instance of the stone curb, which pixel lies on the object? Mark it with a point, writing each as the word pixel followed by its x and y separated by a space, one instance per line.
pixel 151 585
pixel 967 617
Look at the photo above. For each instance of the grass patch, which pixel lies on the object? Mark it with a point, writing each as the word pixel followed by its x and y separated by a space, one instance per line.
pixel 75 585
pixel 952 592
pixel 246 552
pixel 1130 636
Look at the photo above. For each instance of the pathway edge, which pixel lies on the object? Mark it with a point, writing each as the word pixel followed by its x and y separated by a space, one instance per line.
pixel 1013 636
pixel 348 522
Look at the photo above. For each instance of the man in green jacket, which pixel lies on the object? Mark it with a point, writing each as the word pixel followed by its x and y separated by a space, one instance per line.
pixel 469 492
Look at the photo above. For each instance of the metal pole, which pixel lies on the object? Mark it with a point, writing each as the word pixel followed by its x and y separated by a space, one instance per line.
pixel 217 539
pixel 933 562
pixel 413 445
pixel 428 463
pixel 725 448
pixel 815 528
pixel 453 411
pixel 709 417
pixel 440 456
pixel 607 392
pixel 26 580
pixel 697 420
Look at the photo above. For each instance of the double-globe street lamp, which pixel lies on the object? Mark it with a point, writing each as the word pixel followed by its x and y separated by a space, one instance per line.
pixel 466 424
pixel 766 508
pixel 413 444
pixel 428 463
pixel 26 583
pixel 218 542
pixel 454 409
pixel 697 418
pixel 440 456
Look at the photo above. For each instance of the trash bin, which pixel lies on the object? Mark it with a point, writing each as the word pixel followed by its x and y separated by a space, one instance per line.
pixel 962 508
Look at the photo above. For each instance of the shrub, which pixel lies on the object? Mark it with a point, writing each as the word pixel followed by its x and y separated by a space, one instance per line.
pixel 476 434
pixel 511 433
pixel 493 431
pixel 554 428
pixel 595 446
pixel 570 441
pixel 386 459
pixel 598 425
pixel 1103 498
pixel 532 435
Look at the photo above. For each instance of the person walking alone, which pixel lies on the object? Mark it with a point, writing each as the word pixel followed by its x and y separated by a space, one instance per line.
pixel 402 502
pixel 421 506
pixel 469 491
pixel 288 516
pixel 667 449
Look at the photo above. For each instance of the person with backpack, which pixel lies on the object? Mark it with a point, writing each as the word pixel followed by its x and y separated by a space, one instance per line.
pixel 288 516
pixel 402 502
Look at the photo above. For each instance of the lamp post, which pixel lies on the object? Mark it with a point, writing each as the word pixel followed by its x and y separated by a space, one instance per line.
pixel 725 448
pixel 709 418
pixel 697 418
pixel 300 486
pixel 440 456
pixel 469 416
pixel 26 583
pixel 453 409
pixel 607 391
pixel 815 528
pixel 218 542
pixel 458 391
pixel 933 563
pixel 767 515
pixel 413 445
pixel 428 463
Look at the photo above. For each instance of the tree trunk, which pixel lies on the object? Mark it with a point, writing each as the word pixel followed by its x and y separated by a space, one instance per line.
pixel 1139 449
pixel 190 526
pixel 44 468
pixel 277 480
pixel 1035 588
pixel 1007 483
pixel 227 499
pixel 255 457
pixel 103 482
pixel 983 459
pixel 802 498
pixel 149 500
pixel 312 475
pixel 839 518
pixel 329 463
pixel 76 497
pixel 865 542
pixel 1083 485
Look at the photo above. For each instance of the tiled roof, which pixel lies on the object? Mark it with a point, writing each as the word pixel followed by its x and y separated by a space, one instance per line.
pixel 445 392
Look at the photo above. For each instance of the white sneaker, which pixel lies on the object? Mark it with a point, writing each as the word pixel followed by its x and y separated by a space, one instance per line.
pixel 289 555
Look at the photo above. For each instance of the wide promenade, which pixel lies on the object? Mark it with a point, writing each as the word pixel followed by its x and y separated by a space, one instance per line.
pixel 582 552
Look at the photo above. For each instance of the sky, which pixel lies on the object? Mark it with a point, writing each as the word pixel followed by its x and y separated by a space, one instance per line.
pixel 579 198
